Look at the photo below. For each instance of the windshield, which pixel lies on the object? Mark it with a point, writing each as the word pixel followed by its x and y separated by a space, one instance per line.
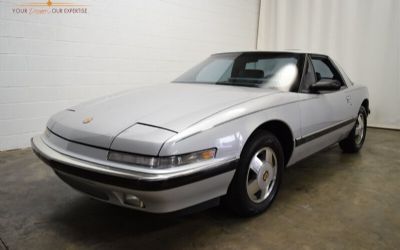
pixel 251 69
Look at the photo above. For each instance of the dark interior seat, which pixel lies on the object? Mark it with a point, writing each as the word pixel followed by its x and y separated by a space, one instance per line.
pixel 251 73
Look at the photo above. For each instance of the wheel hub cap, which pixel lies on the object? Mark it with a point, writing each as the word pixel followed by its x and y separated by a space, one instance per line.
pixel 359 130
pixel 261 175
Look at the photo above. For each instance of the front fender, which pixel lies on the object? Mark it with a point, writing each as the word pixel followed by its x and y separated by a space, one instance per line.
pixel 229 137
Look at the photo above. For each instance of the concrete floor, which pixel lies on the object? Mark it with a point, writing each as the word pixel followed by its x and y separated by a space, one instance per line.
pixel 329 201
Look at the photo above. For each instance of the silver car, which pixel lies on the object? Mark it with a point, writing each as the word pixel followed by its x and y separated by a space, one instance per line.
pixel 226 128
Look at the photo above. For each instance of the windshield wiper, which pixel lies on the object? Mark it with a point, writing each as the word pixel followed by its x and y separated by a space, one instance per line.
pixel 254 85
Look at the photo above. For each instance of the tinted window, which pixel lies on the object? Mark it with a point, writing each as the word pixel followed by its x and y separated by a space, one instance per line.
pixel 322 69
pixel 266 70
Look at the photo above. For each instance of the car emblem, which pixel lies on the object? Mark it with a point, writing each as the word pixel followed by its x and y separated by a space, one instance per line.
pixel 87 120
pixel 265 175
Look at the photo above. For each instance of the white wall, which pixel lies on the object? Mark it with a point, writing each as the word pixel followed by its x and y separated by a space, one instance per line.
pixel 50 62
pixel 362 35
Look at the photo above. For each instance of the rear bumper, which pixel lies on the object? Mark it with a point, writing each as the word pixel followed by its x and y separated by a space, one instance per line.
pixel 157 192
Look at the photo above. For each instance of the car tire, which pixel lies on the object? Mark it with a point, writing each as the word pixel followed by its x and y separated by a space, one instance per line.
pixel 260 167
pixel 355 140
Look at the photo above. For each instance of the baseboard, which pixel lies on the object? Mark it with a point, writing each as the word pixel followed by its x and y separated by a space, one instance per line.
pixel 383 127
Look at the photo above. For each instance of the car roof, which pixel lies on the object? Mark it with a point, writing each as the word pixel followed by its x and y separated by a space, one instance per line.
pixel 271 52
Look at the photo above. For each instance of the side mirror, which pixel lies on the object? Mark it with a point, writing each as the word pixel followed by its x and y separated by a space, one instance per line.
pixel 325 85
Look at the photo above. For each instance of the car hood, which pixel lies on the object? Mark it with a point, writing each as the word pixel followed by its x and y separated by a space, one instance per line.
pixel 170 107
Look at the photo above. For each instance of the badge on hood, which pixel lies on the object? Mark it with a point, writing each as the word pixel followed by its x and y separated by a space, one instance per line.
pixel 87 120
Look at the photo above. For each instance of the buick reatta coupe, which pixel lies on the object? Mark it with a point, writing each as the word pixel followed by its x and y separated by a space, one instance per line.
pixel 224 130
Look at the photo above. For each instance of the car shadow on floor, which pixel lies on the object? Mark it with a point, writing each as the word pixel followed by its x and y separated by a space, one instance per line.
pixel 87 220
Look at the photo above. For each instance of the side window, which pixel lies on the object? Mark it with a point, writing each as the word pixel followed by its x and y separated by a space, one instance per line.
pixel 319 67
pixel 325 70
pixel 322 70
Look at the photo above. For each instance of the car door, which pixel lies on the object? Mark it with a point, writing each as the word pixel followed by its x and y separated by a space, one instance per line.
pixel 326 116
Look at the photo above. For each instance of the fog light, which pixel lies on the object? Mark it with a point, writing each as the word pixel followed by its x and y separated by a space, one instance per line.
pixel 132 200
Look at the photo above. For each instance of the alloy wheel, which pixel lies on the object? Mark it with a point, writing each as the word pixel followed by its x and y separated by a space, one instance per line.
pixel 261 174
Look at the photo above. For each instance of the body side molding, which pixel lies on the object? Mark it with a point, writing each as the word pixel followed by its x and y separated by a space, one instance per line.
pixel 315 135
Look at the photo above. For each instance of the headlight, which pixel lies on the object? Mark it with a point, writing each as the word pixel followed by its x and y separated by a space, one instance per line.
pixel 162 162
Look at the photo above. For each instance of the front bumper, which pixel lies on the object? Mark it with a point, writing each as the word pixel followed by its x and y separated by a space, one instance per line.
pixel 157 191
